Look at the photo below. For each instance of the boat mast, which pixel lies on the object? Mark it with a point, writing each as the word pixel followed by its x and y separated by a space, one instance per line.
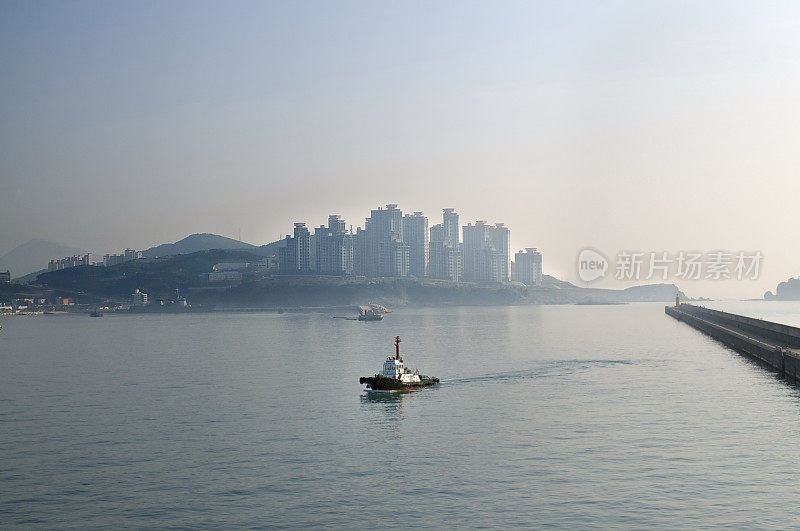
pixel 397 347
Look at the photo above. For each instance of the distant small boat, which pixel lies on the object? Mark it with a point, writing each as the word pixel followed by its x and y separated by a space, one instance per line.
pixel 365 313
pixel 95 314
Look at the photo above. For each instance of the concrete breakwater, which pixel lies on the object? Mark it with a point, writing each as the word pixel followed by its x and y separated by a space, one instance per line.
pixel 774 344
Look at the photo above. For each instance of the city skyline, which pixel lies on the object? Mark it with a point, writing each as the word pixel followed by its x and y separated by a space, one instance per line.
pixel 391 243
pixel 394 244
pixel 696 286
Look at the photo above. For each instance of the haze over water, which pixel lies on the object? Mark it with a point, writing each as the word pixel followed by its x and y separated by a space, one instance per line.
pixel 571 416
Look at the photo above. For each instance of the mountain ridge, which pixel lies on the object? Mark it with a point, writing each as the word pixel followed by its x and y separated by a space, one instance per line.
pixel 201 241
pixel 34 255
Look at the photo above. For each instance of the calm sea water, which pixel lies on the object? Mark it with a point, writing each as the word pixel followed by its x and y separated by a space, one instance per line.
pixel 563 416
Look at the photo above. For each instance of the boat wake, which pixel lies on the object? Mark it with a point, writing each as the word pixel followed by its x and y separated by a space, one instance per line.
pixel 547 369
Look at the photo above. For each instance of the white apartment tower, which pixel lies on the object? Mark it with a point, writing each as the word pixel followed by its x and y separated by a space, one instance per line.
pixel 444 250
pixel 528 266
pixel 485 252
pixel 415 234
pixel 384 231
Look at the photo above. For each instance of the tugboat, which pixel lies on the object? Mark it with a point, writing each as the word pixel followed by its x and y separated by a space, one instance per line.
pixel 396 377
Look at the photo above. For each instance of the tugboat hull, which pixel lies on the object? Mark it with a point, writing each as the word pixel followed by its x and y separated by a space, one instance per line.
pixel 382 383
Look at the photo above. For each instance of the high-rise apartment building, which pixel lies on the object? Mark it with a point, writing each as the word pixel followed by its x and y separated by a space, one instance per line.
pixel 343 245
pixel 139 299
pixel 360 252
pixel 333 248
pixel 451 228
pixel 475 241
pixel 323 251
pixel 303 238
pixel 295 256
pixel 73 261
pixel 415 235
pixel 344 253
pixel 444 250
pixel 384 232
pixel 115 259
pixel 436 249
pixel 501 242
pixel 528 266
pixel 486 252
pixel 336 224
pixel 400 258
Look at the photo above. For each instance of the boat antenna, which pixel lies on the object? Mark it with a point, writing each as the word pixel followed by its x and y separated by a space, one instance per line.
pixel 397 347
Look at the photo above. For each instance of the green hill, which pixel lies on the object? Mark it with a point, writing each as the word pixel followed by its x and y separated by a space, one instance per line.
pixel 194 243
pixel 160 277
pixel 156 276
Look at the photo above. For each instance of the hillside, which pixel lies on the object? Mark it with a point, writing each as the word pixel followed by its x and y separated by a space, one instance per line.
pixel 159 277
pixel 194 243
pixel 300 292
pixel 270 249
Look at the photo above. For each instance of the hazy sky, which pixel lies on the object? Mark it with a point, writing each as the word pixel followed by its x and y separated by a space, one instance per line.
pixel 617 125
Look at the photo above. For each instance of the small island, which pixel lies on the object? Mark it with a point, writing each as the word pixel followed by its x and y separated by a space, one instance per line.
pixel 786 291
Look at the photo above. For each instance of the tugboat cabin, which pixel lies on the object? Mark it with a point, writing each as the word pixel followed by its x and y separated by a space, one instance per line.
pixel 393 367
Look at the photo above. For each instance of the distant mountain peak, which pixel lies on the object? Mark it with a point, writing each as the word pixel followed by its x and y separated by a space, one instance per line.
pixel 34 255
pixel 193 243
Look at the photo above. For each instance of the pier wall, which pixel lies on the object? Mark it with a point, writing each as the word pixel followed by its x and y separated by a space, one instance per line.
pixel 788 336
pixel 770 343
